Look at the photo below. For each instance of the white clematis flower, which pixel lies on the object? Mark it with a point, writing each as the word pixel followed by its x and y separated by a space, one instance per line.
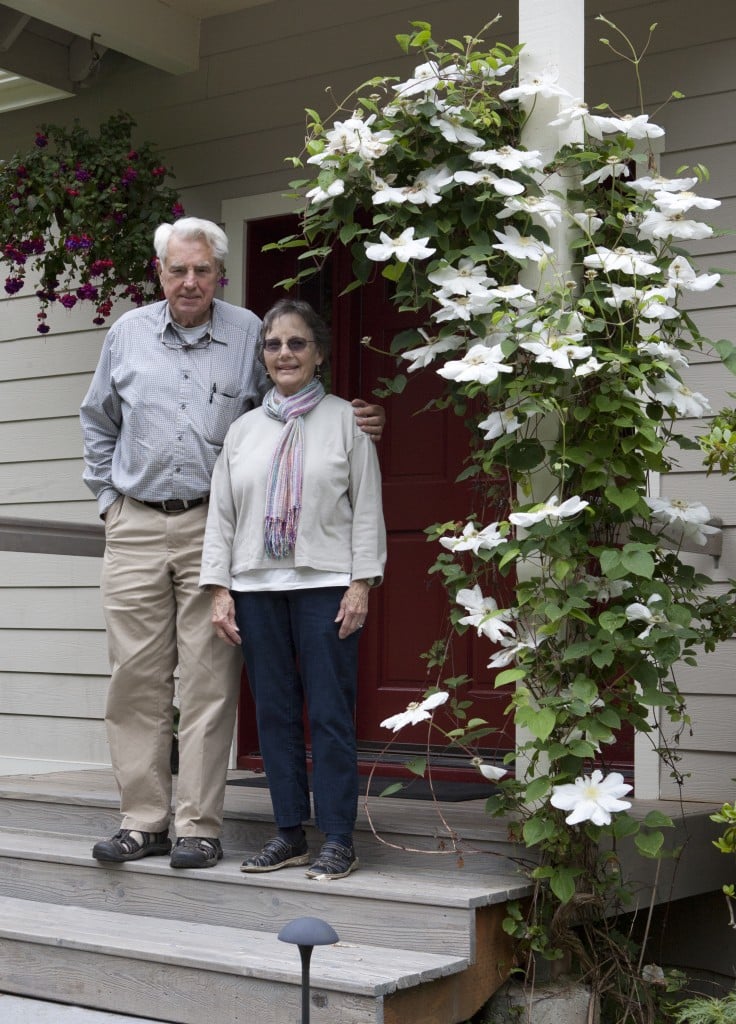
pixel 591 365
pixel 556 348
pixel 354 136
pixel 449 120
pixel 587 221
pixel 666 353
pixel 671 392
pixel 521 247
pixel 681 202
pixel 484 614
pixel 416 712
pixel 406 247
pixel 593 124
pixel 680 274
pixel 423 192
pixel 427 77
pixel 628 261
pixel 650 183
pixel 462 307
pixel 504 186
pixel 662 225
pixel 544 84
pixel 592 798
pixel 498 423
pixel 509 159
pixel 634 126
pixel 691 517
pixel 545 208
pixel 647 613
pixel 473 539
pixel 422 357
pixel 612 168
pixel 489 771
pixel 322 195
pixel 465 279
pixel 552 512
pixel 480 363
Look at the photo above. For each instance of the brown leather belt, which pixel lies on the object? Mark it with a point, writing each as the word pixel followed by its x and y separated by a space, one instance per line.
pixel 176 504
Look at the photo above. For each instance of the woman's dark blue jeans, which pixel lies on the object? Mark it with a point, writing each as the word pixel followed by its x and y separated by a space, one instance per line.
pixel 294 657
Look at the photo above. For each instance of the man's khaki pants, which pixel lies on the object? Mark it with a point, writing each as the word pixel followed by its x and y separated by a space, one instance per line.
pixel 157 617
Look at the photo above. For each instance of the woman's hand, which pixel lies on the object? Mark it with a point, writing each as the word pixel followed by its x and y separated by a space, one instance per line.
pixel 223 616
pixel 353 608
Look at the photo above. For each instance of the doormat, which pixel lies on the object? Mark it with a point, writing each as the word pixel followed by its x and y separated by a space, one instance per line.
pixel 412 789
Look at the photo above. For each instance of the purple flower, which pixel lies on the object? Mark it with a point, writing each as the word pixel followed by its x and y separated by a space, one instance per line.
pixel 13 285
pixel 129 175
pixel 41 140
pixel 99 267
pixel 87 291
pixel 68 301
pixel 177 210
pixel 43 328
pixel 33 245
pixel 81 174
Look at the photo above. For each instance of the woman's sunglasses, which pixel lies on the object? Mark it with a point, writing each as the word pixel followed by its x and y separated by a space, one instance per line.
pixel 293 344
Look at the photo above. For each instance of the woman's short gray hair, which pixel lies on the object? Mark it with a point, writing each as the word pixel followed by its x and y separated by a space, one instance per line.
pixel 315 323
pixel 190 229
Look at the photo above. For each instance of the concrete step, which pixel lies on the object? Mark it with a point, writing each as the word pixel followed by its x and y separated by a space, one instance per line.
pixel 430 907
pixel 17 1010
pixel 187 973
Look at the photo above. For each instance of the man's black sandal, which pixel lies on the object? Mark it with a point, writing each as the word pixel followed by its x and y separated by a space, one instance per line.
pixel 196 852
pixel 124 846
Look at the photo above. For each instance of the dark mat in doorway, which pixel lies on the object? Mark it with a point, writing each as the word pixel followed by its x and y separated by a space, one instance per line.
pixel 413 789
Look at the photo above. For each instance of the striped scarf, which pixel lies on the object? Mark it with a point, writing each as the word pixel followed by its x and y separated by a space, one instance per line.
pixel 286 472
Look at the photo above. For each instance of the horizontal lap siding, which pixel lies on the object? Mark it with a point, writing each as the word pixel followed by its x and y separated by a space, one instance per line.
pixel 700 129
pixel 53 656
pixel 227 128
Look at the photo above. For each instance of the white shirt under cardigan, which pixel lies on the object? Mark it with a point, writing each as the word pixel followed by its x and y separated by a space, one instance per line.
pixel 341 528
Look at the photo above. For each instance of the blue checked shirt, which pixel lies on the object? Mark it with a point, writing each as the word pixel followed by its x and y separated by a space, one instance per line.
pixel 157 410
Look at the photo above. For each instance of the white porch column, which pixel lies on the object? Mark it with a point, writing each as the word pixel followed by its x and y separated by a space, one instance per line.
pixel 552 34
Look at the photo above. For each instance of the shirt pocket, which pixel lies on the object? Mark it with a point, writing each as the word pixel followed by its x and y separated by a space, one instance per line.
pixel 221 411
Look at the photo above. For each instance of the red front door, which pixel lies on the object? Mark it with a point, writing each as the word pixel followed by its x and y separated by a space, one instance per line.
pixel 421 455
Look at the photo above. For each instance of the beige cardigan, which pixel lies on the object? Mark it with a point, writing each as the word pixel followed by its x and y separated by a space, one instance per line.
pixel 341 528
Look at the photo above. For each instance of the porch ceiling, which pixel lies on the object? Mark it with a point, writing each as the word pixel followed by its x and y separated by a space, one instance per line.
pixel 162 33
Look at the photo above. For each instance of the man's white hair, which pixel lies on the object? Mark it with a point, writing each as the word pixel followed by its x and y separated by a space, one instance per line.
pixel 190 229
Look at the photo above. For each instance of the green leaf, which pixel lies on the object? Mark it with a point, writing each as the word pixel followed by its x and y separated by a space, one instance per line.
pixel 655 819
pixel 562 883
pixel 649 843
pixel 537 828
pixel 539 723
pixel 509 675
pixel 538 788
pixel 417 766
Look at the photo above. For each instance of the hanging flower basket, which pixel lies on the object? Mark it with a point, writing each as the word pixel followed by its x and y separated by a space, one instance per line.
pixel 77 214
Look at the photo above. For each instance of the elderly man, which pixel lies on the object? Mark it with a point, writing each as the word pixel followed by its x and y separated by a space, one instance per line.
pixel 172 377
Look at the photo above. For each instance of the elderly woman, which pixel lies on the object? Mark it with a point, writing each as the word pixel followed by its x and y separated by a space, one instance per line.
pixel 295 540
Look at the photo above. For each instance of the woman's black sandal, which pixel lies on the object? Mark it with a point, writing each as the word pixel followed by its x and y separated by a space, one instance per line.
pixel 277 853
pixel 334 861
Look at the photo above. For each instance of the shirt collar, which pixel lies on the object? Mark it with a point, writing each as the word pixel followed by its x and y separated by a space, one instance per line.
pixel 171 338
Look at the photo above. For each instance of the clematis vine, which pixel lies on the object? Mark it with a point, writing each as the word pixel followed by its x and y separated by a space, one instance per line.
pixel 562 572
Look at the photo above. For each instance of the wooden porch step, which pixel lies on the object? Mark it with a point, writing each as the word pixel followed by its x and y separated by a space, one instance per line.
pixel 431 907
pixel 21 1010
pixel 86 803
pixel 186 973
